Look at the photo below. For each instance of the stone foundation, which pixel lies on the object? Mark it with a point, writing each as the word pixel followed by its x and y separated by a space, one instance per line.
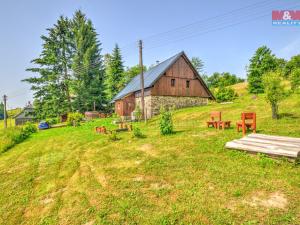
pixel 154 103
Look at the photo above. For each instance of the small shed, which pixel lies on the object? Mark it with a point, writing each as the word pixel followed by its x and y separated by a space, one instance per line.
pixel 91 115
pixel 26 115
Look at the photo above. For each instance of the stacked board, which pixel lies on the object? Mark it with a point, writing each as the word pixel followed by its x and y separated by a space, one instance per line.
pixel 268 144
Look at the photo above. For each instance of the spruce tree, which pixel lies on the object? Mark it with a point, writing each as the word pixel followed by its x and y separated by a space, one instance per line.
pixel 115 73
pixel 88 83
pixel 262 62
pixel 52 85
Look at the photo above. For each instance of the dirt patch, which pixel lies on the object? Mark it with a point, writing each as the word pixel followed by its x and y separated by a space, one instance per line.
pixel 273 200
pixel 47 201
pixel 148 149
pixel 138 178
pixel 158 186
pixel 90 223
pixel 102 180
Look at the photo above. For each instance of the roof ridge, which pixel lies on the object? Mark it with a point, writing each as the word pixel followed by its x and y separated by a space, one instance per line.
pixel 151 76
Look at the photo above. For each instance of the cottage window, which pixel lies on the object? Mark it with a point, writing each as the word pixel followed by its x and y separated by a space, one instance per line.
pixel 187 84
pixel 172 82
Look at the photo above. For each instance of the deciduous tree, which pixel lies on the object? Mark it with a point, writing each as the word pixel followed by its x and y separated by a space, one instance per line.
pixel 262 62
pixel 274 90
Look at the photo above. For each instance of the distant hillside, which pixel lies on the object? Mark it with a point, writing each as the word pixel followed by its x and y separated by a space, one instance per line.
pixel 240 88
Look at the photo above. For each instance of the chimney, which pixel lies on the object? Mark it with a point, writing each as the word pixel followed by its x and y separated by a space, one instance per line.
pixel 157 62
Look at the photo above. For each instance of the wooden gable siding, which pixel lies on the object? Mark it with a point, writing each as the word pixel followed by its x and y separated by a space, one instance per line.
pixel 125 106
pixel 181 71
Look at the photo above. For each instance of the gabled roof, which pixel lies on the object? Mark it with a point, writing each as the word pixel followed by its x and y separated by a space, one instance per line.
pixel 27 112
pixel 152 75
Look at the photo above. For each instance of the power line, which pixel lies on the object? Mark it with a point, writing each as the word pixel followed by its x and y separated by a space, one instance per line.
pixel 238 10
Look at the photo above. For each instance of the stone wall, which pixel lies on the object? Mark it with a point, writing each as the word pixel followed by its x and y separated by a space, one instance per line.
pixel 154 103
pixel 175 102
pixel 148 103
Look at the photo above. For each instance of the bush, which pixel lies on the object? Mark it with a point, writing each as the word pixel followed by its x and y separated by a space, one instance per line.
pixel 113 136
pixel 166 123
pixel 74 119
pixel 225 94
pixel 295 80
pixel 137 113
pixel 52 121
pixel 29 128
pixel 138 133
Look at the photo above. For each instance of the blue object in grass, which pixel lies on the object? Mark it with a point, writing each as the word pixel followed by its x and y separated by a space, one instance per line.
pixel 43 125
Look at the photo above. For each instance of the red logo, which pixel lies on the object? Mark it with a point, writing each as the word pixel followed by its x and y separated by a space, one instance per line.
pixel 286 15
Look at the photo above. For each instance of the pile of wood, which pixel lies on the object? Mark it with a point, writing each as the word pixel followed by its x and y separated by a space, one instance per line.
pixel 268 144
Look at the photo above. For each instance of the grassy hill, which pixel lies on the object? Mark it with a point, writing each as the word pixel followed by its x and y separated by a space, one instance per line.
pixel 75 176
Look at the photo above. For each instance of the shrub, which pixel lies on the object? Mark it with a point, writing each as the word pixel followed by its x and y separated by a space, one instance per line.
pixel 113 136
pixel 138 133
pixel 225 94
pixel 74 119
pixel 137 113
pixel 29 128
pixel 166 123
pixel 295 79
pixel 52 121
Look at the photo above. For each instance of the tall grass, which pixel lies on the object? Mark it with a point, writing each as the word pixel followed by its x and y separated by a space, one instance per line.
pixel 14 135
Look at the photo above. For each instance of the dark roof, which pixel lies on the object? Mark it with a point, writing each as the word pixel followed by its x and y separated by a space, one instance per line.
pixel 152 75
pixel 26 113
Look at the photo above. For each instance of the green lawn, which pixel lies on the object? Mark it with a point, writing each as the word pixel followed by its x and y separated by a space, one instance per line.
pixel 75 176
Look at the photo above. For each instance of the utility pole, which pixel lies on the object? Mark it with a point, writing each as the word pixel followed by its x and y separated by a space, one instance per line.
pixel 5 113
pixel 94 106
pixel 142 79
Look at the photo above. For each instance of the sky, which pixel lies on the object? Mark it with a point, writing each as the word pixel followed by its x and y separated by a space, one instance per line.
pixel 226 37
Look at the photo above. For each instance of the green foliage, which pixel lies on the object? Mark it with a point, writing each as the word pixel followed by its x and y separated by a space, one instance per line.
pixel 69 66
pixel 131 72
pixel 295 79
pixel 225 94
pixel 113 136
pixel 52 121
pixel 52 86
pixel 89 73
pixel 138 113
pixel 14 135
pixel 274 90
pixel 222 79
pixel 115 73
pixel 137 133
pixel 262 62
pixel 74 119
pixel 291 65
pixel 166 122
pixel 198 64
pixel 29 128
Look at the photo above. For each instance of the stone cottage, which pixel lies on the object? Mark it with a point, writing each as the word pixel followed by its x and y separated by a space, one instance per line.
pixel 172 83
